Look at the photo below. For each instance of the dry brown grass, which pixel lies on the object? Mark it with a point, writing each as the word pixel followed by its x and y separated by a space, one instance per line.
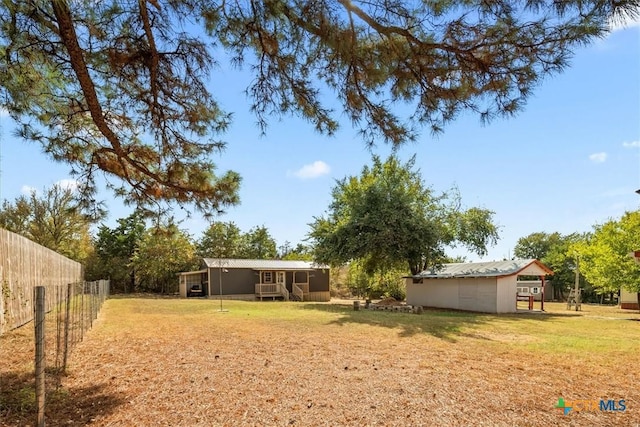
pixel 182 363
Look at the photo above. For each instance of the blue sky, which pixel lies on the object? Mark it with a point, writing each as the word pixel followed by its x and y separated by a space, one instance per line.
pixel 569 160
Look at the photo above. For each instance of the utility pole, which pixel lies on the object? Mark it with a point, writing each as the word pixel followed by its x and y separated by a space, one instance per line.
pixel 577 287
pixel 221 264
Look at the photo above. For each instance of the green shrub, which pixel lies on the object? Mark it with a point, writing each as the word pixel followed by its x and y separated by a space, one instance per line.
pixel 396 290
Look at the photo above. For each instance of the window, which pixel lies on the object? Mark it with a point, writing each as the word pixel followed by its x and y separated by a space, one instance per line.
pixel 535 290
pixel 267 277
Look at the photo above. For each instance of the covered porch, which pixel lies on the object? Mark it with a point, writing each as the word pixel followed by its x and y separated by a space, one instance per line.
pixel 285 284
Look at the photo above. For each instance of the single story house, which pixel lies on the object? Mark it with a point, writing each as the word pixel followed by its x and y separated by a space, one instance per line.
pixel 257 279
pixel 490 287
pixel 628 300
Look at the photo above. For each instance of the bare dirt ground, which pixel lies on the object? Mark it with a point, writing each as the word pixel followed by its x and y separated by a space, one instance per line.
pixel 146 363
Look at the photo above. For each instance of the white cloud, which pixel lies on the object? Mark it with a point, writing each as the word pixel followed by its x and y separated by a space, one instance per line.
pixel 27 190
pixel 313 170
pixel 631 144
pixel 67 184
pixel 598 157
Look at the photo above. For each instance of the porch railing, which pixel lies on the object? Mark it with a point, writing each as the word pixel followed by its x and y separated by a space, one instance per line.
pixel 271 289
pixel 297 292
pixel 304 287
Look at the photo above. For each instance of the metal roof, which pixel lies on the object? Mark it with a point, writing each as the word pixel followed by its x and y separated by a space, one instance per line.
pixel 483 269
pixel 261 264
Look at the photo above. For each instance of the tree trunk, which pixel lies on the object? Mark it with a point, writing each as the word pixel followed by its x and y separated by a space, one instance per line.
pixel 638 300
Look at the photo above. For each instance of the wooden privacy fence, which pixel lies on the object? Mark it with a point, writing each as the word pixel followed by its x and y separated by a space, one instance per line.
pixel 23 266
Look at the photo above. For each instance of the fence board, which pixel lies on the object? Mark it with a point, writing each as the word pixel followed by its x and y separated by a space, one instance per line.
pixel 23 266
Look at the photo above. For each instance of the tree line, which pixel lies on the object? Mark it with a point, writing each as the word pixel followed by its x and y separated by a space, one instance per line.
pixel 383 224
pixel 138 254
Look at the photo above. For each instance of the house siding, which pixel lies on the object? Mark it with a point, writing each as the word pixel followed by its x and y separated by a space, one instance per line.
pixel 242 281
pixel 433 293
pixel 477 294
pixel 323 296
pixel 484 294
pixel 506 294
pixel 235 281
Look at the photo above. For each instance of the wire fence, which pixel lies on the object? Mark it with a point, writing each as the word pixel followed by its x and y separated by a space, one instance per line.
pixel 75 307
pixel 59 327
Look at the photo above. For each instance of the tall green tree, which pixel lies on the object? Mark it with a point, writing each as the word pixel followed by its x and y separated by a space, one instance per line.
pixel 121 87
pixel 605 257
pixel 114 252
pixel 300 252
pixel 536 245
pixel 16 216
pixel 258 243
pixel 387 283
pixel 52 219
pixel 220 240
pixel 388 216
pixel 163 251
pixel 556 251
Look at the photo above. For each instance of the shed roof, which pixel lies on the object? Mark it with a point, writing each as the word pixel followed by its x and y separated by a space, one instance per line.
pixel 486 269
pixel 261 264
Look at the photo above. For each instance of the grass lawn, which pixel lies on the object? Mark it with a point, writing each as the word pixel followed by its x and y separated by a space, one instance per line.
pixel 173 362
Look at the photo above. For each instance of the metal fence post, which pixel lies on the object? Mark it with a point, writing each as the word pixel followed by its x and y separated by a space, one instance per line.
pixel 40 361
pixel 67 320
pixel 84 285
pixel 91 303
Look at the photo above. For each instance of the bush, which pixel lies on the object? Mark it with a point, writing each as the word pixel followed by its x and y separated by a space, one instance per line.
pixel 339 290
pixel 396 290
pixel 375 293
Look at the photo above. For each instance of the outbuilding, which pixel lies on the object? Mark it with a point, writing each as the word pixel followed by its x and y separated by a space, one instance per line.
pixel 490 287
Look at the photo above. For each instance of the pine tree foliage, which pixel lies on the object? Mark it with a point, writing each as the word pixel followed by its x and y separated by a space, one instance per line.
pixel 123 88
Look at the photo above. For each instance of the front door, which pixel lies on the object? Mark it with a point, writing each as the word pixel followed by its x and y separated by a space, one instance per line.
pixel 280 278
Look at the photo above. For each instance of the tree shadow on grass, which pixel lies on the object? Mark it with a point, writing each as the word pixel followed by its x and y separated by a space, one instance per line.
pixel 64 406
pixel 444 324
